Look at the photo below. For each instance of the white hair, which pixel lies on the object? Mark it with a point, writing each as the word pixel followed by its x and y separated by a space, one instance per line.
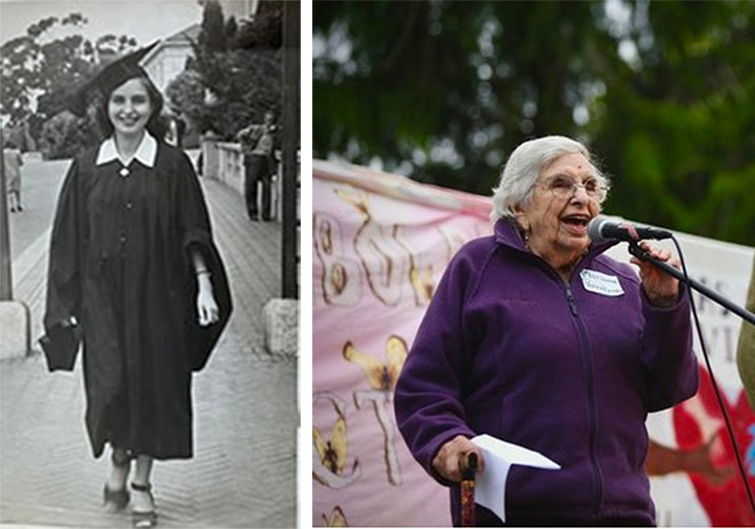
pixel 525 165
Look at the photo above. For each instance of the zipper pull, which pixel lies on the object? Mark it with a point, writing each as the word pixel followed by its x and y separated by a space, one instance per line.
pixel 570 299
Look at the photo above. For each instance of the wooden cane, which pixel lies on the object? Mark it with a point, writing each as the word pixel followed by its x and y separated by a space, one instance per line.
pixel 468 467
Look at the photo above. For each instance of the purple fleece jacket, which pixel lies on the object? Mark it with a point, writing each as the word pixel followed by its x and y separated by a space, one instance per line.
pixel 508 349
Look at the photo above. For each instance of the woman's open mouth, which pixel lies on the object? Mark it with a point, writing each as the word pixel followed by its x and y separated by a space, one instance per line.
pixel 576 224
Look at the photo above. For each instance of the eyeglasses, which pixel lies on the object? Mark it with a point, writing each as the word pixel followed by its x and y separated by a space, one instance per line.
pixel 565 187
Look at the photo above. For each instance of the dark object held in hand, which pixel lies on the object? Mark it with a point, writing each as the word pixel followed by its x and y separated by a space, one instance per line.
pixel 468 465
pixel 60 345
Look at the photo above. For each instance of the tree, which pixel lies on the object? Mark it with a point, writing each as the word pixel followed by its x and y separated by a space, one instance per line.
pixel 118 44
pixel 436 86
pixel 212 38
pixel 31 68
pixel 231 28
pixel 265 30
pixel 677 127
pixel 17 78
pixel 443 92
pixel 238 84
pixel 48 72
pixel 63 136
pixel 185 93
pixel 65 64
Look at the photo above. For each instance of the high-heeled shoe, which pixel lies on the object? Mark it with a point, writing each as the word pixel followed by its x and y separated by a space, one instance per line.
pixel 116 500
pixel 144 519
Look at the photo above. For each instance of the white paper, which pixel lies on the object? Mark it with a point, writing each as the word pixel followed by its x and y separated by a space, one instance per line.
pixel 490 485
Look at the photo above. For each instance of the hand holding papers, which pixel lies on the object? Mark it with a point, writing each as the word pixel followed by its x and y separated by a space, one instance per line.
pixel 499 456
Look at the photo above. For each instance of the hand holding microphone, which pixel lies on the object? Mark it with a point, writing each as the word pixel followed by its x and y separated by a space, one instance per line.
pixel 661 289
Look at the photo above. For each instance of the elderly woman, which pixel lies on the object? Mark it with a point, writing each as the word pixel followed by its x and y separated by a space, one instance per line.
pixel 535 337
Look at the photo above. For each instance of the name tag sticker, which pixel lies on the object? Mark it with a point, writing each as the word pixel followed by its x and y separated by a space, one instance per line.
pixel 600 283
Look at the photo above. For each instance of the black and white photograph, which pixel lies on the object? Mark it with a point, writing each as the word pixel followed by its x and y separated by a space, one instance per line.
pixel 149 263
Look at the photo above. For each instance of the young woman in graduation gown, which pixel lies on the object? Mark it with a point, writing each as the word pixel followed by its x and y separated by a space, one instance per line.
pixel 136 278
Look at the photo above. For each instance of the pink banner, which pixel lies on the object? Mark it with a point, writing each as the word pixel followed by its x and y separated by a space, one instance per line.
pixel 381 243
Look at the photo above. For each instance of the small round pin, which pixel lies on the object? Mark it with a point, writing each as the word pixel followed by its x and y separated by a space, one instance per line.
pixel 124 172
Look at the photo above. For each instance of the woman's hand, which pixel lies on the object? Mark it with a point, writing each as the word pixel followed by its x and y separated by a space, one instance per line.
pixel 661 289
pixel 446 461
pixel 207 308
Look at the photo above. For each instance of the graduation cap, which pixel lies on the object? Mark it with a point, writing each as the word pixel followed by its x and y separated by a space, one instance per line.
pixel 110 77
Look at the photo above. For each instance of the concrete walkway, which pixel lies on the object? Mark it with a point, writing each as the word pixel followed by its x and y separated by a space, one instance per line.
pixel 243 472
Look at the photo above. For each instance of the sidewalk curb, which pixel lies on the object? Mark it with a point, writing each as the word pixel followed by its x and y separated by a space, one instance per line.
pixel 15 321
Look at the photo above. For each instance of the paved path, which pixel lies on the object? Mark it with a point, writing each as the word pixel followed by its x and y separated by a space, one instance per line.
pixel 243 472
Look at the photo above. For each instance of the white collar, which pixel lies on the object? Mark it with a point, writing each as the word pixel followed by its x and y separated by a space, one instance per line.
pixel 146 153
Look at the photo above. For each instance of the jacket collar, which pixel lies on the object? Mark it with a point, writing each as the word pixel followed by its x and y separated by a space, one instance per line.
pixel 146 153
pixel 506 233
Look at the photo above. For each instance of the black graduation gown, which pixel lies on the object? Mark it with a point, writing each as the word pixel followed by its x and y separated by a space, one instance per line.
pixel 120 264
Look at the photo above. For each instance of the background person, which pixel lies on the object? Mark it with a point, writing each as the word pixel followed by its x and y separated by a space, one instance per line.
pixel 663 460
pixel 535 337
pixel 13 161
pixel 134 273
pixel 258 145
pixel 176 130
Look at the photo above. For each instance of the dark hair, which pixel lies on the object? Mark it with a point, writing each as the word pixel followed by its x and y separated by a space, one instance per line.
pixel 155 125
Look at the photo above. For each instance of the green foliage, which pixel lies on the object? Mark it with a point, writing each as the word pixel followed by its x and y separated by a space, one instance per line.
pixel 678 130
pixel 444 91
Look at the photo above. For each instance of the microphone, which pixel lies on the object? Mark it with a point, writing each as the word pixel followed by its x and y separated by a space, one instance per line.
pixel 602 229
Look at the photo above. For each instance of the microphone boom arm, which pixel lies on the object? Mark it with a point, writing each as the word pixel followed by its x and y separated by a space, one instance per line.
pixel 638 252
pixel 745 314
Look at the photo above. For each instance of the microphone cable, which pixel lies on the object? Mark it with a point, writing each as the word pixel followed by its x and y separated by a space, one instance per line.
pixel 729 428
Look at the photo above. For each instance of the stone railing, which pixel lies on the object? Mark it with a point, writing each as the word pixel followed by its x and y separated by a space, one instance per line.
pixel 224 161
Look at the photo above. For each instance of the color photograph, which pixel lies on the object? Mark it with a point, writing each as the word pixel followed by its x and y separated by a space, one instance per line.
pixel 520 209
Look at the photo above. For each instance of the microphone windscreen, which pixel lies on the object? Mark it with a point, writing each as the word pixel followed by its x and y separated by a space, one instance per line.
pixel 593 229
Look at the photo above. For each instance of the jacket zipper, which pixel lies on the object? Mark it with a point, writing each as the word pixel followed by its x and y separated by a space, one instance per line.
pixel 587 355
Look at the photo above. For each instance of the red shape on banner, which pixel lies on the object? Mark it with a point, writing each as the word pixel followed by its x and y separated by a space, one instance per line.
pixel 695 422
